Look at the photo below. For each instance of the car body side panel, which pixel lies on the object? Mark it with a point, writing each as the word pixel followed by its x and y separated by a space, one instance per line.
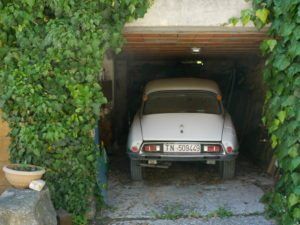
pixel 135 137
pixel 229 137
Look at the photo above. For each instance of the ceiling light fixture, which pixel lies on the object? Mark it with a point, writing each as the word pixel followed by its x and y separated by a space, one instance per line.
pixel 195 50
pixel 200 62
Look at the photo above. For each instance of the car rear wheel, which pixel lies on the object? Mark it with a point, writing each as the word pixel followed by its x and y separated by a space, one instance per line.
pixel 227 169
pixel 136 170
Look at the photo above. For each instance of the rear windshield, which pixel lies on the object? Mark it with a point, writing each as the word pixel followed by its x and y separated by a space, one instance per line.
pixel 182 102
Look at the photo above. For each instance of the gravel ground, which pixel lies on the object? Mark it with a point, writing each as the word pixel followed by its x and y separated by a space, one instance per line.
pixel 186 193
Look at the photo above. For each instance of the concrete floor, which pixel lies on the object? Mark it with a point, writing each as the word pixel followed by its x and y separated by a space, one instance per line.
pixel 186 193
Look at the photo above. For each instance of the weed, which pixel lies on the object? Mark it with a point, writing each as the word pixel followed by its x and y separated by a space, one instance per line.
pixel 170 212
pixel 173 212
pixel 221 212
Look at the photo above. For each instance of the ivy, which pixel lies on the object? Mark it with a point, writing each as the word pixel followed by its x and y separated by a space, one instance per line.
pixel 282 103
pixel 51 54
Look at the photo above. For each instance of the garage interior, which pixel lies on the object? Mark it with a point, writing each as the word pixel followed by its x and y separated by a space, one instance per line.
pixel 232 59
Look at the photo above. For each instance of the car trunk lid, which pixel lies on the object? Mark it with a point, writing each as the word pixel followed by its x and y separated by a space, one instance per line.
pixel 182 127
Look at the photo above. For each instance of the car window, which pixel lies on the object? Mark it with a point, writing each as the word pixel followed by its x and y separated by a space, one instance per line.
pixel 182 102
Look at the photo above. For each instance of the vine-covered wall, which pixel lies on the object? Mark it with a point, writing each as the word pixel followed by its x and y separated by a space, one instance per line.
pixel 282 103
pixel 51 55
pixel 282 108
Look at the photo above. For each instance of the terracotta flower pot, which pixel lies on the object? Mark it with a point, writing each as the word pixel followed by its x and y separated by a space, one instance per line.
pixel 22 179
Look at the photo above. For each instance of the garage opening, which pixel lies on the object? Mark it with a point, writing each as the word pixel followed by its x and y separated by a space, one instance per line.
pixel 230 59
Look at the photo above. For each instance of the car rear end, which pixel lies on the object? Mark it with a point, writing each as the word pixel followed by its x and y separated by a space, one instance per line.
pixel 181 125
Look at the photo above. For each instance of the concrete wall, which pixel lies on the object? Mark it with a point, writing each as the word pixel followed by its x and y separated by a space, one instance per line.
pixel 4 143
pixel 176 14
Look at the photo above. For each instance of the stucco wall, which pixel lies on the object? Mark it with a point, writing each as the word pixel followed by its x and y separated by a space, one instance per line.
pixel 190 13
pixel 4 143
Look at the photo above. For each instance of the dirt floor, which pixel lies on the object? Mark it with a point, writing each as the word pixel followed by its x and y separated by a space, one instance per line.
pixel 186 193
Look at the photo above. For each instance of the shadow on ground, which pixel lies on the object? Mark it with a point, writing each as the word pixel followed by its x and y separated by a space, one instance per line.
pixel 186 193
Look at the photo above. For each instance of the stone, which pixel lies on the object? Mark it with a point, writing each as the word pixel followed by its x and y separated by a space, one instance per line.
pixel 26 207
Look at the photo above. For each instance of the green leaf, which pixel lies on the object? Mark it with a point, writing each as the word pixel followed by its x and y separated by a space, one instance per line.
pixel 29 2
pixel 296 213
pixel 289 101
pixel 271 43
pixel 294 164
pixel 293 151
pixel 36 152
pixel 294 49
pixel 281 153
pixel 296 180
pixel 281 62
pixel 262 14
pixel 274 141
pixel 246 16
pixel 296 33
pixel 294 69
pixel 286 29
pixel 281 116
pixel 274 125
pixel 90 158
pixel 293 200
pixel 233 21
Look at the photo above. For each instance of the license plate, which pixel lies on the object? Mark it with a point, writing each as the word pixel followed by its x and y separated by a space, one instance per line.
pixel 182 148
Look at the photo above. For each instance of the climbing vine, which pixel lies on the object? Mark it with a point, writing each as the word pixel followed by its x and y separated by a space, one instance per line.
pixel 51 55
pixel 282 103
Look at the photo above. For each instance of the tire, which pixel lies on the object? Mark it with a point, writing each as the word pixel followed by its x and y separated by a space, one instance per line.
pixel 136 170
pixel 227 169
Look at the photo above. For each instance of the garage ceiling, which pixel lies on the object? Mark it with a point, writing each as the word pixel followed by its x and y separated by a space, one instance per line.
pixel 212 44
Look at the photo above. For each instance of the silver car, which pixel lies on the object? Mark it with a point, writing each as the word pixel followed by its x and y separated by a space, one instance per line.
pixel 182 119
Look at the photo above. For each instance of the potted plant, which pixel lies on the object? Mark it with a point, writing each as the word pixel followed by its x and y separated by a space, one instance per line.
pixel 20 175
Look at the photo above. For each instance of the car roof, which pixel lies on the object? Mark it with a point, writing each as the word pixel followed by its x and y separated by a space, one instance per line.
pixel 172 84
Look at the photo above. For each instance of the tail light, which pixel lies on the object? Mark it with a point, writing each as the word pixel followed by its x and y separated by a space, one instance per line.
pixel 229 149
pixel 134 149
pixel 212 148
pixel 152 148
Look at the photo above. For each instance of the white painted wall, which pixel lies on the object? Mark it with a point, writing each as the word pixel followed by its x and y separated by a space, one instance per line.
pixel 190 13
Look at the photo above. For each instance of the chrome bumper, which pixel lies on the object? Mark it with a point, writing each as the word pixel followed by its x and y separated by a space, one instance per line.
pixel 201 156
pixel 181 157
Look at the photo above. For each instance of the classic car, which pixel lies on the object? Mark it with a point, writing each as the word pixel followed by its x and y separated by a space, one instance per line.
pixel 182 119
